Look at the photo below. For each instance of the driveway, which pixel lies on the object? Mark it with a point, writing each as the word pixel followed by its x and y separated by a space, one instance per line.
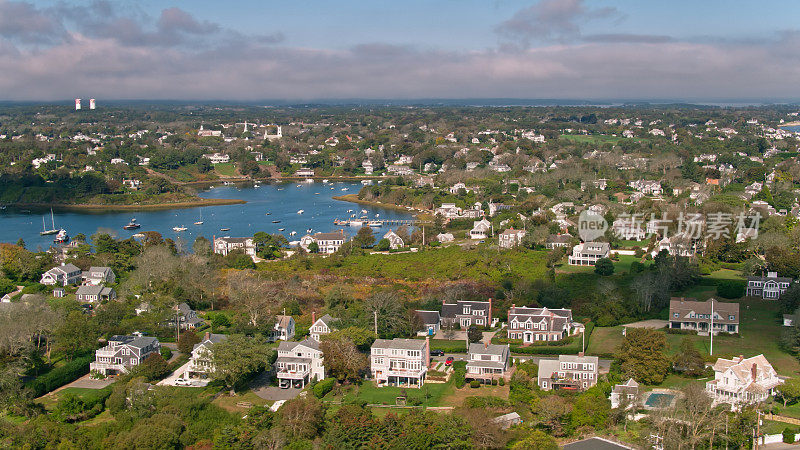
pixel 262 387
pixel 652 323
pixel 173 377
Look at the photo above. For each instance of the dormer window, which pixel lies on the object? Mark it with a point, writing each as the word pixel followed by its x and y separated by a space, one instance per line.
pixel 467 309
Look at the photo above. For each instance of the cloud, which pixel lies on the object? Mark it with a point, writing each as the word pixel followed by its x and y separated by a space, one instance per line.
pixel 552 20
pixel 24 23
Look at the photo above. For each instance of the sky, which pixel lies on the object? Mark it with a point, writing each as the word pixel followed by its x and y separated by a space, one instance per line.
pixel 307 50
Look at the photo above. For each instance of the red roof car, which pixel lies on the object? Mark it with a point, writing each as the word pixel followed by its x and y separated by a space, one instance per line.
pixel 448 361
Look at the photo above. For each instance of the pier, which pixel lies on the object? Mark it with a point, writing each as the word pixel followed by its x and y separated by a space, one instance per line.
pixel 380 222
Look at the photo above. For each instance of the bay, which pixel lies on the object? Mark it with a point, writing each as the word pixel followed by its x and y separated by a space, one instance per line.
pixel 282 202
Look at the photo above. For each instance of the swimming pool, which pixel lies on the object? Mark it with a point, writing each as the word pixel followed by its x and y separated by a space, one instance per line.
pixel 659 400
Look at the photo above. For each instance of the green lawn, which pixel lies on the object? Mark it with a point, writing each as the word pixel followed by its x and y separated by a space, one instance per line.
pixel 226 169
pixel 591 138
pixel 429 395
pixel 49 401
pixel 760 333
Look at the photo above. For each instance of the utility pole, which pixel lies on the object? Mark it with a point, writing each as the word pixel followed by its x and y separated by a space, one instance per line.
pixel 583 339
pixel 376 323
pixel 711 331
pixel 177 324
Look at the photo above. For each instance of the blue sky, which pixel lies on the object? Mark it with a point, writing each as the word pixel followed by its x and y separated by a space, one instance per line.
pixel 249 50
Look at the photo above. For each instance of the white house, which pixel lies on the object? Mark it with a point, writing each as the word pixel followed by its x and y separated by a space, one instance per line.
pixel 769 287
pixel 400 362
pixel 481 229
pixel 326 242
pixel 98 275
pixel 740 381
pixel 568 372
pixel 487 361
pixel 395 241
pixel 62 275
pixel 322 326
pixel 201 362
pixel 217 158
pixel 299 363
pixel 588 253
pixel 626 393
pixel 283 329
pixel 227 244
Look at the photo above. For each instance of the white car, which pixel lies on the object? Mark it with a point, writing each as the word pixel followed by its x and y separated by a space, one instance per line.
pixel 183 382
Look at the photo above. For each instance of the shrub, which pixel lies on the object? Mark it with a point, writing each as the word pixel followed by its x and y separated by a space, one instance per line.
pixel 166 352
pixel 60 376
pixel 502 382
pixel 788 435
pixel 323 387
pixel 494 382
pixel 731 288
pixel 474 384
pixel 458 377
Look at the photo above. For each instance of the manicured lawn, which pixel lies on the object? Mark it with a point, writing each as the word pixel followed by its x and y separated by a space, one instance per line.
pixel 229 403
pixel 591 138
pixel 456 396
pixel 725 274
pixel 226 169
pixel 631 244
pixel 791 410
pixel 760 333
pixel 429 395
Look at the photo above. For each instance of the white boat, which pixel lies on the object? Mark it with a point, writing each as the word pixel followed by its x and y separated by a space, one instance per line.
pixel 61 237
pixel 363 211
pixel 281 229
pixel 356 223
pixel 53 230
pixel 200 222
pixel 375 223
pixel 292 233
pixel 179 229
pixel 309 230
pixel 308 181
pixel 349 210
pixel 366 182
pixel 344 189
pixel 301 211
pixel 325 180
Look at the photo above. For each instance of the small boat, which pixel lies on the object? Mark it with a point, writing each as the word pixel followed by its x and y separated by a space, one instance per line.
pixel 292 233
pixel 61 237
pixel 349 210
pixel 308 181
pixel 268 214
pixel 363 211
pixel 356 223
pixel 299 185
pixel 375 224
pixel 280 189
pixel 281 229
pixel 200 222
pixel 224 229
pixel 309 230
pixel 132 225
pixel 276 221
pixel 179 229
pixel 344 189
pixel 53 230
pixel 301 211
pixel 331 188
pixel 366 182
pixel 325 180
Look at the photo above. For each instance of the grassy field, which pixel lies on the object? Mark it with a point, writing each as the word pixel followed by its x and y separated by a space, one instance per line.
pixel 591 138
pixel 760 333
pixel 49 401
pixel 226 169
pixel 429 395
pixel 450 263
pixel 229 403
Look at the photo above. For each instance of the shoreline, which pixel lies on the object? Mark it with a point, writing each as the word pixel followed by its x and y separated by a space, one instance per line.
pixel 353 198
pixel 287 179
pixel 200 202
pixel 793 123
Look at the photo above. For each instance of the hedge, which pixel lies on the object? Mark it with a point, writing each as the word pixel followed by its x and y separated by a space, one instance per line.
pixel 323 387
pixel 448 346
pixel 60 376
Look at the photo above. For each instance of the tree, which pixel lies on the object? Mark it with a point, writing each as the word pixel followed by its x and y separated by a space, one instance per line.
pixel 360 336
pixel 551 413
pixel 202 246
pixel 364 238
pixel 187 341
pixel 75 335
pixel 154 367
pixel 688 360
pixel 302 418
pixel 537 440
pixel 257 298
pixel 342 359
pixel 238 357
pixel 641 355
pixel 474 334
pixel 591 409
pixel 383 245
pixel 313 247
pixel 789 391
pixel 604 267
pixel 388 306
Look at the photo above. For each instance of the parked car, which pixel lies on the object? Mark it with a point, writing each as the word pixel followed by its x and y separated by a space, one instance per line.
pixel 449 361
pixel 437 353
pixel 183 382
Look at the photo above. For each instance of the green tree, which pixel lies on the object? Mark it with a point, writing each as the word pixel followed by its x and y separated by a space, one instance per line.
pixel 238 357
pixel 474 334
pixel 75 335
pixel 591 409
pixel 688 360
pixel 187 341
pixel 364 238
pixel 342 359
pixel 536 440
pixel 313 247
pixel 641 355
pixel 789 391
pixel 302 417
pixel 604 267
pixel 383 245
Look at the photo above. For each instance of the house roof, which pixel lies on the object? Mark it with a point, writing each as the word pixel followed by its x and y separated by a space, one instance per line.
pixel 451 310
pixel 283 321
pixel 105 270
pixel 428 317
pixel 559 238
pixel 183 308
pixel 779 279
pixel 332 236
pixel 406 344
pixel 490 349
pixel 629 387
pixel 66 268
pixel 134 341
pixel 287 346
pixel 93 290
pixel 596 443
pixel 212 339
pixel 327 319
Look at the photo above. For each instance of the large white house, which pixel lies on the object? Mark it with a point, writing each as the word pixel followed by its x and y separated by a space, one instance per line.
pixel 487 361
pixel 62 275
pixel 98 275
pixel 481 229
pixel 400 362
pixel 326 242
pixel 539 324
pixel 201 363
pixel 568 372
pixel 299 363
pixel 740 381
pixel 588 253
pixel 225 245
pixel 122 353
pixel 769 287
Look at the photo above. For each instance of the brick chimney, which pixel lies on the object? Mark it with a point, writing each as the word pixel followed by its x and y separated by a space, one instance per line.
pixel 580 354
pixel 490 313
pixel 313 317
pixel 427 351
pixel 754 371
pixel 207 336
